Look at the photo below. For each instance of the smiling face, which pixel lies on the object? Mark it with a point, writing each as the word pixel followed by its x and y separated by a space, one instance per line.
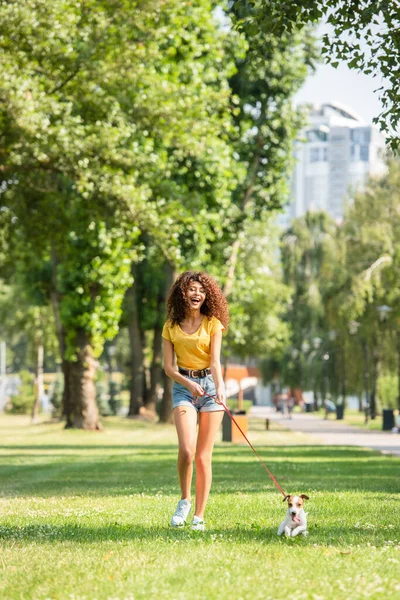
pixel 195 295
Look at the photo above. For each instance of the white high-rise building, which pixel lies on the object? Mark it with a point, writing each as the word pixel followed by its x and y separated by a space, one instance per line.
pixel 336 154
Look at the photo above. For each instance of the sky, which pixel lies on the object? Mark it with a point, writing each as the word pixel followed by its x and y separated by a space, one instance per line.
pixel 343 85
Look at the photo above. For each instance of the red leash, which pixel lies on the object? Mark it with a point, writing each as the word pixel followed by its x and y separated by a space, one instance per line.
pixel 249 443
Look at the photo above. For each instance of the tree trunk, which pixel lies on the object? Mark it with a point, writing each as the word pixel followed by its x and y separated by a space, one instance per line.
pixel 232 262
pixel 39 388
pixel 166 403
pixel 398 367
pixel 84 411
pixel 344 376
pixel 366 378
pixel 60 331
pixel 315 397
pixel 146 370
pixel 360 400
pixel 137 358
pixel 156 363
pixel 66 366
pixel 375 375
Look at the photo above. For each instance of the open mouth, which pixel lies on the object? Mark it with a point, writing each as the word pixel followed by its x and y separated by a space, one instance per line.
pixel 195 301
pixel 296 518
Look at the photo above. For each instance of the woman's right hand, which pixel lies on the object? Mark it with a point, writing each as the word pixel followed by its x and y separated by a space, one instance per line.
pixel 195 388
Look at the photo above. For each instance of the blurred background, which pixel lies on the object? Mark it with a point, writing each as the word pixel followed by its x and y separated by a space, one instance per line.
pixel 138 140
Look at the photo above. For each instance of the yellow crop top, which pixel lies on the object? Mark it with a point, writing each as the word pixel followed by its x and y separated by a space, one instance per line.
pixel 193 351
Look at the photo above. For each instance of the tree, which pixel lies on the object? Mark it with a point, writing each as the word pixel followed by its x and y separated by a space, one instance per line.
pixel 266 125
pixel 26 322
pixel 346 298
pixel 211 217
pixel 311 259
pixel 90 160
pixel 371 231
pixel 259 299
pixel 190 190
pixel 377 22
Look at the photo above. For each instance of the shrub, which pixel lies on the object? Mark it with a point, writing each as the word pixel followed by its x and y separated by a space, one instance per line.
pixel 22 403
pixel 387 390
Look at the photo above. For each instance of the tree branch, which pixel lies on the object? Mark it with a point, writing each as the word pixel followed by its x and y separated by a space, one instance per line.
pixel 67 80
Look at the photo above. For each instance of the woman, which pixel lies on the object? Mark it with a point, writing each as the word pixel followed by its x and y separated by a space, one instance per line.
pixel 197 313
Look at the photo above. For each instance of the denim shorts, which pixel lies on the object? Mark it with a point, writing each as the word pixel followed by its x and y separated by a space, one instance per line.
pixel 182 397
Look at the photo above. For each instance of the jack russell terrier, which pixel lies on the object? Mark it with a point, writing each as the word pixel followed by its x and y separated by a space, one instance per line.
pixel 296 519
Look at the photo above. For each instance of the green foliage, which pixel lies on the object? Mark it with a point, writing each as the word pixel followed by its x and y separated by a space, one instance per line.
pixel 259 299
pixel 25 322
pixel 345 310
pixel 376 22
pixel 92 278
pixel 142 134
pixel 116 121
pixel 22 403
pixel 388 386
pixel 371 233
pixel 265 122
pixel 311 259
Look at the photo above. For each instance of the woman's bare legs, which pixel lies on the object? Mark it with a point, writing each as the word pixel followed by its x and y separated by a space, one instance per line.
pixel 208 426
pixel 186 423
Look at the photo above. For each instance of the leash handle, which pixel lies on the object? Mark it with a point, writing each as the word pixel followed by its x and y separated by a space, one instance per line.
pixel 249 443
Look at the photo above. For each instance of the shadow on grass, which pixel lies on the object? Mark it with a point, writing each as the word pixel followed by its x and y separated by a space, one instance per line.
pixel 46 470
pixel 332 535
pixel 295 451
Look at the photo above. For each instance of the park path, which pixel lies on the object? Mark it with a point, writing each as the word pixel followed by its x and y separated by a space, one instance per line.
pixel 331 432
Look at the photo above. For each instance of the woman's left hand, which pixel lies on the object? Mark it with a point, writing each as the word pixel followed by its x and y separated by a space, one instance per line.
pixel 220 397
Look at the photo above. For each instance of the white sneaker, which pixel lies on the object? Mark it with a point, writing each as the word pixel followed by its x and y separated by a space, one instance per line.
pixel 180 515
pixel 198 524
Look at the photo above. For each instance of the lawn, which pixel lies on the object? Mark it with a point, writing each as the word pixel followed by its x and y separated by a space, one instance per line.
pixel 352 417
pixel 355 417
pixel 85 516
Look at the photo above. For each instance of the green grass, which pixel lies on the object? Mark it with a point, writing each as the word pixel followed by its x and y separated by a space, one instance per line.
pixel 85 516
pixel 355 417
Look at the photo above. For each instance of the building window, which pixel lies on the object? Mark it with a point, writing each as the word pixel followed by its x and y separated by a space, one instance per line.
pixel 364 153
pixel 361 135
pixel 317 135
pixel 318 154
pixel 359 152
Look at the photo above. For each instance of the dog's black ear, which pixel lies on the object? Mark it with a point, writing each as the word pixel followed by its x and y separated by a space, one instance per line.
pixel 286 497
pixel 304 497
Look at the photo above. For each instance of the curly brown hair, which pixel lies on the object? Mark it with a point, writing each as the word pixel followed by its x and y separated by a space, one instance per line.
pixel 214 305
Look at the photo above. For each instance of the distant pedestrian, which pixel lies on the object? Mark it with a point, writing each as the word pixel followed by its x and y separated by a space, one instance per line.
pixel 289 404
pixel 45 402
pixel 197 313
pixel 329 408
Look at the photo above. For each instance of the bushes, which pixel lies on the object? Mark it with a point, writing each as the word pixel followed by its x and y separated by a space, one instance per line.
pixel 22 403
pixel 107 396
pixel 387 390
